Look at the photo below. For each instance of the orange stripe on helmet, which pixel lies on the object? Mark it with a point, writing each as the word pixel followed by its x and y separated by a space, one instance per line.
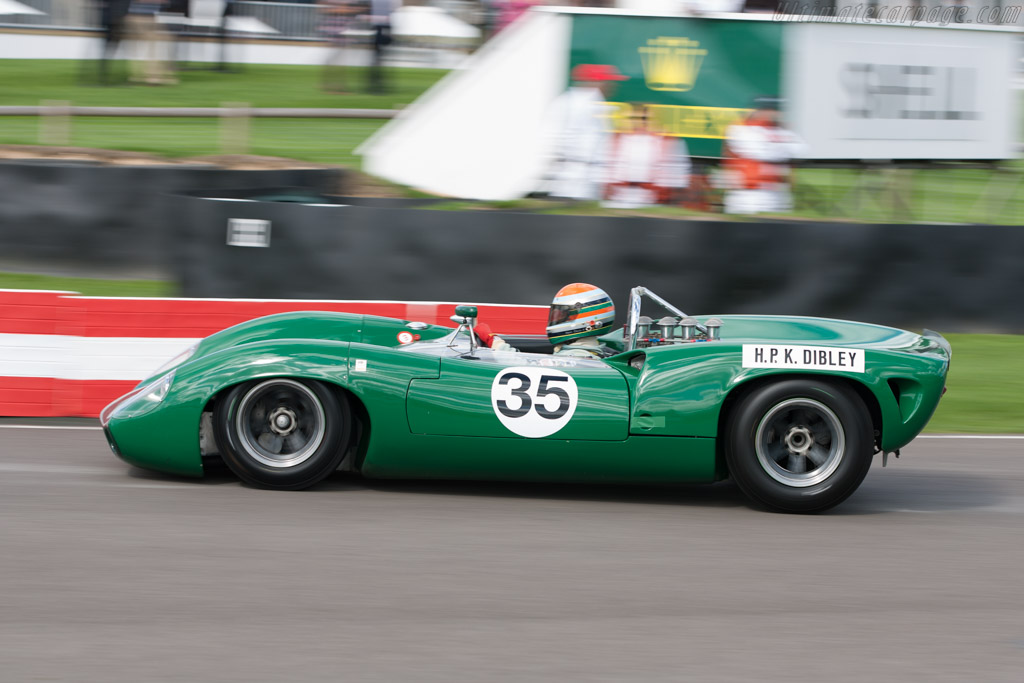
pixel 575 288
pixel 587 314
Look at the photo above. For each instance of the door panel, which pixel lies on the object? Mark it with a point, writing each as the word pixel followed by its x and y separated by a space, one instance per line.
pixel 522 395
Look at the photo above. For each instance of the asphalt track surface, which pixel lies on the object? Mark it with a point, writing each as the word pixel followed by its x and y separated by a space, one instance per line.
pixel 109 573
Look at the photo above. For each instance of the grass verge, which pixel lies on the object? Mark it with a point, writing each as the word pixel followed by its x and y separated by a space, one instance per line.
pixel 88 286
pixel 986 386
pixel 986 379
pixel 959 195
pixel 322 141
pixel 29 82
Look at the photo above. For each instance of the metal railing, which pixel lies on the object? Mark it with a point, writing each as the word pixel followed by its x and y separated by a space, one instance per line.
pixel 290 20
pixel 67 14
pixel 199 112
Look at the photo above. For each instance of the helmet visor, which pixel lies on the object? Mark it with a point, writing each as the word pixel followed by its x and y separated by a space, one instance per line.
pixel 561 314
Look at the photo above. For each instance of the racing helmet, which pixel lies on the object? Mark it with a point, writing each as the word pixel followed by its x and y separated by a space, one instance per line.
pixel 579 310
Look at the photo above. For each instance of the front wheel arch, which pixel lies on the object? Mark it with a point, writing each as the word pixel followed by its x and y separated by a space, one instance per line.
pixel 357 412
pixel 762 419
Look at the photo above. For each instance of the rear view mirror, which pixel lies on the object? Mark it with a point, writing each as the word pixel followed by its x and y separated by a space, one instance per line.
pixel 465 317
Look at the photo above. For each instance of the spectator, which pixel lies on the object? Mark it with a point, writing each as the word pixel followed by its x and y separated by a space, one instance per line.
pixel 489 13
pixel 224 33
pixel 757 156
pixel 380 23
pixel 510 10
pixel 153 63
pixel 335 23
pixel 644 166
pixel 112 18
pixel 582 137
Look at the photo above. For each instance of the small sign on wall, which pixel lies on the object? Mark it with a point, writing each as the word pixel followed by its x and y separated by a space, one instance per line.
pixel 248 232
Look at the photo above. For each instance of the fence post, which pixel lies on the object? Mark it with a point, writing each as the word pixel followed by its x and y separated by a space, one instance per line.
pixel 996 201
pixel 55 123
pixel 234 128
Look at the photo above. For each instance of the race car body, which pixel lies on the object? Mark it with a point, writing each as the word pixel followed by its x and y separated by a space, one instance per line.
pixel 791 408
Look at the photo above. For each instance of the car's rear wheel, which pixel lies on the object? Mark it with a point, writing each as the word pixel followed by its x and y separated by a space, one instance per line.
pixel 282 433
pixel 799 445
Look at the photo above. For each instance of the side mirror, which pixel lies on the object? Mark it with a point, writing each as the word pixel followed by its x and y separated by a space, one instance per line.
pixel 465 316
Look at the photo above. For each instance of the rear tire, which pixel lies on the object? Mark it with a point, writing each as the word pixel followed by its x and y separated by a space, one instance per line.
pixel 799 445
pixel 282 433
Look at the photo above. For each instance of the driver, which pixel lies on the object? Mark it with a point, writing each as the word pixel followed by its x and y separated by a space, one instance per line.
pixel 579 314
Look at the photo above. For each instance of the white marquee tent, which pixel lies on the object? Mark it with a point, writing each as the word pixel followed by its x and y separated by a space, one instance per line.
pixel 11 7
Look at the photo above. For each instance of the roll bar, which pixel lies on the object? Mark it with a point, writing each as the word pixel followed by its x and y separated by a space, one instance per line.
pixel 635 300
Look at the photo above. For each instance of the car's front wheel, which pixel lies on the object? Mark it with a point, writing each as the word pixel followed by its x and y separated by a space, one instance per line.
pixel 282 433
pixel 799 445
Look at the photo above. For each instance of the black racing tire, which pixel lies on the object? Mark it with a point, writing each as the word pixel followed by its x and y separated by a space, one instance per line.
pixel 799 445
pixel 282 433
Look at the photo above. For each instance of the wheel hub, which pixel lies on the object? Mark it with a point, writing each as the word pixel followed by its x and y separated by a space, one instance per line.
pixel 282 421
pixel 799 440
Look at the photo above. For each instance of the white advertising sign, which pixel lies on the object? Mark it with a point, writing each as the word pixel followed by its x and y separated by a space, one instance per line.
pixel 248 232
pixel 862 91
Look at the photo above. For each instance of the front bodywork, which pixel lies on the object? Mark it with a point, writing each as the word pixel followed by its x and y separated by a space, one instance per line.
pixel 643 415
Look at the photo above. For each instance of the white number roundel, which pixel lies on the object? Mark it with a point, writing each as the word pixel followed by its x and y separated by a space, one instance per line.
pixel 534 402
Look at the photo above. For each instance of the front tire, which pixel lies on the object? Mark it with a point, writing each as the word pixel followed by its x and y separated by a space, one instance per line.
pixel 799 445
pixel 282 433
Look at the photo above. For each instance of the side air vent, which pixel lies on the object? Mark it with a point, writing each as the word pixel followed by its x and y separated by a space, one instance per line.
pixel 908 395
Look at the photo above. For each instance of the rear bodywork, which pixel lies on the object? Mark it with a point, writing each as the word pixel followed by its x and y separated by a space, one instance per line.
pixel 643 415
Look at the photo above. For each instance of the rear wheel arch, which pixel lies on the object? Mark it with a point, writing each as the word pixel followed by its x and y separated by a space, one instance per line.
pixel 796 443
pixel 741 390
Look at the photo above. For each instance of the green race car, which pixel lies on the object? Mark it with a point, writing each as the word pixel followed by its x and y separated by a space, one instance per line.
pixel 793 409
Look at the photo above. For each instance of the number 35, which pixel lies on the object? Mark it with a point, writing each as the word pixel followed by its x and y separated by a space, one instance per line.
pixel 544 389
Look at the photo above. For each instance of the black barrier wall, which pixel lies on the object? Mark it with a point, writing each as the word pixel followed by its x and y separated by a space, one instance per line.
pixel 114 216
pixel 948 277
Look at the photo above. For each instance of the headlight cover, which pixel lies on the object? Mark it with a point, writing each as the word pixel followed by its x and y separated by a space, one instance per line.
pixel 140 401
pixel 177 360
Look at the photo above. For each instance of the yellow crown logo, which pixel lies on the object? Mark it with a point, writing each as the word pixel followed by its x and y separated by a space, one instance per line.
pixel 671 63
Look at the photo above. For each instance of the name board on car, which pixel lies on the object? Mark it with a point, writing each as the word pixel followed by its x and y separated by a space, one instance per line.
pixel 803 357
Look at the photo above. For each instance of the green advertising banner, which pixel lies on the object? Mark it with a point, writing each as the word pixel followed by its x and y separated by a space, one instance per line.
pixel 693 76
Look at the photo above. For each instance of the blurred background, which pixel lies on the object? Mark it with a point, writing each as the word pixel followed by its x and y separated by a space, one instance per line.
pixel 172 167
pixel 842 160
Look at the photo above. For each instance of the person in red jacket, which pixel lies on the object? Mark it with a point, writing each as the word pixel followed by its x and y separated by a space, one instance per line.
pixel 757 157
pixel 644 166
